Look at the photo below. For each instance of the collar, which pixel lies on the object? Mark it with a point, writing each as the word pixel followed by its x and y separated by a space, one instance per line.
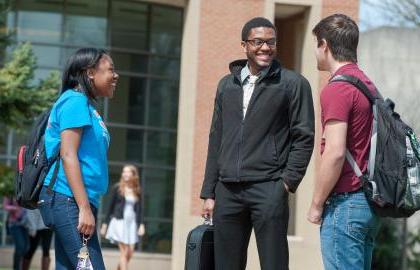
pixel 344 68
pixel 236 68
pixel 245 72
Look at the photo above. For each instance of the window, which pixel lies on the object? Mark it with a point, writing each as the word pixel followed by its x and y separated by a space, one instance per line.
pixel 144 40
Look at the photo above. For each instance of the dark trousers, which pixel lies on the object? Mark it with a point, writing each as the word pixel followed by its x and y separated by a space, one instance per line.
pixel 243 206
pixel 21 239
pixel 44 236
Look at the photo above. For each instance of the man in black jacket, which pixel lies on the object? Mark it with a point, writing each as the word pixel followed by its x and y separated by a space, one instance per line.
pixel 261 140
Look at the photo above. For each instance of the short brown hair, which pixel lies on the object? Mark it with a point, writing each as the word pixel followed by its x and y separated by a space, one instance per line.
pixel 341 34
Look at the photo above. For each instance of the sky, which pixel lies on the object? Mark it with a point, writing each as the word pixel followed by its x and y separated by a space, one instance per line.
pixel 370 16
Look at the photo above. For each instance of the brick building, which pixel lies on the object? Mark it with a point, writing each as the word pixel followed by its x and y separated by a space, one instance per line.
pixel 211 40
pixel 170 55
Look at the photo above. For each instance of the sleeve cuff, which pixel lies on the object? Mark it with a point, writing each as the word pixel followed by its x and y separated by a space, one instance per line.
pixel 207 195
pixel 292 188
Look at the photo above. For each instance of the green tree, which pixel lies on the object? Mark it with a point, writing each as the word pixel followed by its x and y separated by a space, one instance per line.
pixel 386 255
pixel 22 99
pixel 5 33
pixel 6 180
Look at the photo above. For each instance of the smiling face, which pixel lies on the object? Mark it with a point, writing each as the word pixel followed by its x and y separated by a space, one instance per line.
pixel 127 174
pixel 103 77
pixel 260 57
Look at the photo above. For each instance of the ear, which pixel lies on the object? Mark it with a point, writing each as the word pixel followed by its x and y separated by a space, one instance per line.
pixel 324 45
pixel 243 45
pixel 91 73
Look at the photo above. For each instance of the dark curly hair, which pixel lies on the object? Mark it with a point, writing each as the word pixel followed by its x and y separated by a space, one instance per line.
pixel 254 23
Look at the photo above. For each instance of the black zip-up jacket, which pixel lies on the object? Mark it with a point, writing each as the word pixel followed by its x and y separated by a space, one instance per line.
pixel 116 207
pixel 275 139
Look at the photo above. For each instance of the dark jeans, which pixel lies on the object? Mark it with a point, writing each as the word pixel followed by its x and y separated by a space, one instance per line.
pixel 43 236
pixel 243 206
pixel 21 240
pixel 61 214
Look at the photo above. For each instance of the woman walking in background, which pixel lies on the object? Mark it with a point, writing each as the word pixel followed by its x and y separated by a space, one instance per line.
pixel 124 215
pixel 16 225
pixel 76 130
pixel 38 232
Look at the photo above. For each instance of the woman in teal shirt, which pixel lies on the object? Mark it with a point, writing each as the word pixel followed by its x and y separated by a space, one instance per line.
pixel 77 131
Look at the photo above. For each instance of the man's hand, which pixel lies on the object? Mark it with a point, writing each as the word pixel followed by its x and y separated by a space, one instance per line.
pixel 208 207
pixel 315 214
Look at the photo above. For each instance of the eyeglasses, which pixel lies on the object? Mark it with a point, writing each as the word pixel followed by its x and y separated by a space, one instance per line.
pixel 258 43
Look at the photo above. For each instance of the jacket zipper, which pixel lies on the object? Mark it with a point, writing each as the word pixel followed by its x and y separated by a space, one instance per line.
pixel 241 137
pixel 241 134
pixel 36 157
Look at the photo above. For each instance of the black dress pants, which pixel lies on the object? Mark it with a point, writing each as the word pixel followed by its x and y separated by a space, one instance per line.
pixel 246 205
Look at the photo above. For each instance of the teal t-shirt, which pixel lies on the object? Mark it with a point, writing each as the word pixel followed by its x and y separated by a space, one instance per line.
pixel 73 110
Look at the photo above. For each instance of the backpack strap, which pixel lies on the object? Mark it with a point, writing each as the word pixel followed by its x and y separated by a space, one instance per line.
pixel 358 84
pixel 353 164
pixel 373 140
pixel 57 158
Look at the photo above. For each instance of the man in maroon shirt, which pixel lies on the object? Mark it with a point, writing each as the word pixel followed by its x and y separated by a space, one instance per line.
pixel 348 225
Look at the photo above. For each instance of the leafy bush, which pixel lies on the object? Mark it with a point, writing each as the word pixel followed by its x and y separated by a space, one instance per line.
pixel 6 181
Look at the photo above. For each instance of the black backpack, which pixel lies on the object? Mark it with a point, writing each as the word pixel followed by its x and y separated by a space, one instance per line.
pixel 33 165
pixel 392 181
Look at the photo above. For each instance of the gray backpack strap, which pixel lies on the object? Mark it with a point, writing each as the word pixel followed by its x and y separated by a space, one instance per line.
pixel 372 156
pixel 373 143
pixel 371 167
pixel 373 140
pixel 358 84
pixel 353 164
pixel 372 151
